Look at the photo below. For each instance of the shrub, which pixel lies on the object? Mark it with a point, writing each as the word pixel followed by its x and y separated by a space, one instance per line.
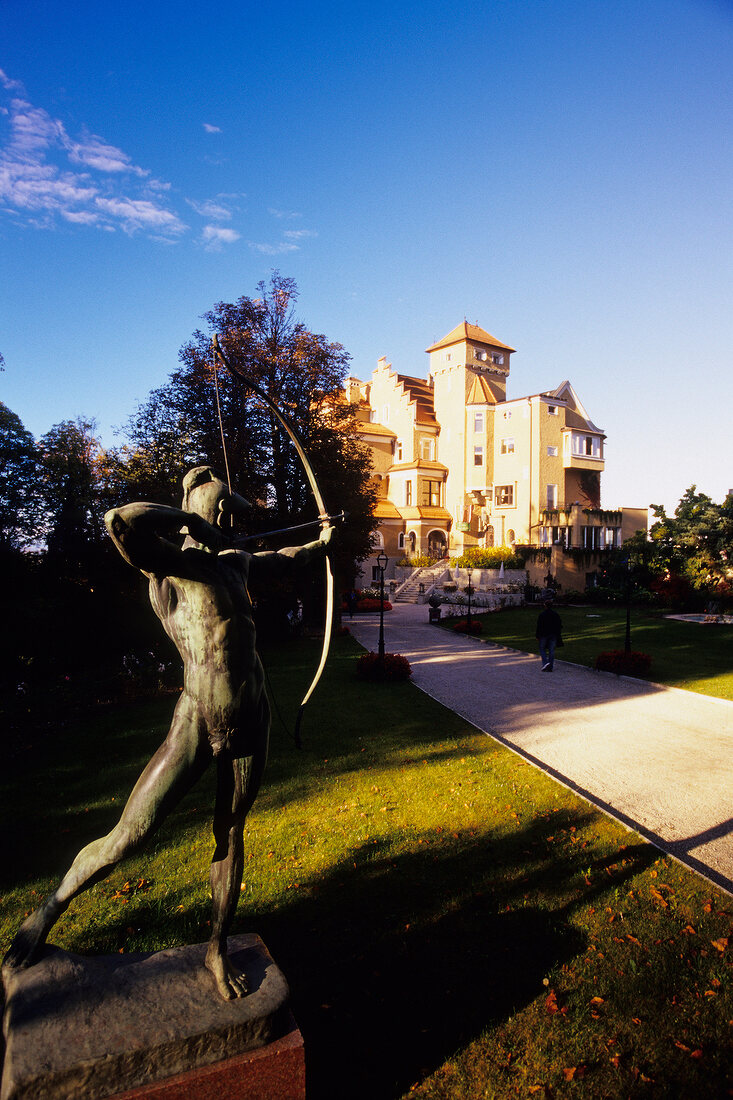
pixel 624 664
pixel 489 558
pixel 392 669
pixel 461 627
pixel 368 603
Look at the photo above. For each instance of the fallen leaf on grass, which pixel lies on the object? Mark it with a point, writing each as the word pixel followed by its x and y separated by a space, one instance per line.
pixel 659 897
pixel 721 944
pixel 596 1000
pixel 552 1006
pixel 570 1073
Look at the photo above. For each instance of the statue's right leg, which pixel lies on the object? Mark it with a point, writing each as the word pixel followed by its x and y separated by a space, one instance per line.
pixel 175 767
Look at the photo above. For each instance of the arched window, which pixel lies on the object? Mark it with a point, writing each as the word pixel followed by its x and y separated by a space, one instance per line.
pixel 377 540
pixel 401 541
pixel 511 538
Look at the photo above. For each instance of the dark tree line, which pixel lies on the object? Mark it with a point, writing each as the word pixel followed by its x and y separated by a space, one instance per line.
pixel 75 607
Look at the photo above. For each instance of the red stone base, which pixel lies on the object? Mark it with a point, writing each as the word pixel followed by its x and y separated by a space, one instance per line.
pixel 274 1072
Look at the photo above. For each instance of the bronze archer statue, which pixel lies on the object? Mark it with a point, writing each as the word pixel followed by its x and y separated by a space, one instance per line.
pixel 198 587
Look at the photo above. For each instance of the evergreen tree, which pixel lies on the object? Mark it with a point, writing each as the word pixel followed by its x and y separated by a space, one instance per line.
pixel 20 518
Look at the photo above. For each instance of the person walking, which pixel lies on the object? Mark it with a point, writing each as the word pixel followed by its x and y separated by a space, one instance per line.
pixel 548 634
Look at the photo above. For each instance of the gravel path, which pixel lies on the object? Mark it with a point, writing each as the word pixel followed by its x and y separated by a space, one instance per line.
pixel 658 759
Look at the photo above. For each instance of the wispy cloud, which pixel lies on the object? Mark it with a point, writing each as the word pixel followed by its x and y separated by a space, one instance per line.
pixel 51 178
pixel 46 175
pixel 11 85
pixel 215 236
pixel 212 209
pixel 299 234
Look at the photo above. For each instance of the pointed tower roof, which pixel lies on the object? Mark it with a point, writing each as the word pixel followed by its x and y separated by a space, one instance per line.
pixel 464 331
pixel 482 392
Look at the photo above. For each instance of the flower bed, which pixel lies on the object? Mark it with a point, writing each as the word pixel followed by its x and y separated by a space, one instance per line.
pixel 462 627
pixel 393 668
pixel 370 604
pixel 624 664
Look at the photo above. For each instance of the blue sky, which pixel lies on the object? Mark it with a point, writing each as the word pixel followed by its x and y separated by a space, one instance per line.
pixel 559 172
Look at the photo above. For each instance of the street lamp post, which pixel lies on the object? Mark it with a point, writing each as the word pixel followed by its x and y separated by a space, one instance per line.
pixel 468 618
pixel 382 564
pixel 627 643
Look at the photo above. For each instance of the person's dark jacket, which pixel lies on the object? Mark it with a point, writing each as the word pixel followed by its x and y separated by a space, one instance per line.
pixel 549 624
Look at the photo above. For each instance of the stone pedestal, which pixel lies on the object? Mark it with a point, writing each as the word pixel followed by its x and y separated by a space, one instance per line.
pixel 150 1026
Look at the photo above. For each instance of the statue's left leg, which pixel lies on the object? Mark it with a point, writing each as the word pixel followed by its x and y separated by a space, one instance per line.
pixel 238 780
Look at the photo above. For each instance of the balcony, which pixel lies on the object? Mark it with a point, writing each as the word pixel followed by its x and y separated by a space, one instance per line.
pixel 583 462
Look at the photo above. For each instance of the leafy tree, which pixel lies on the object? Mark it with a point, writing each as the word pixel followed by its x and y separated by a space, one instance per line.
pixel 697 542
pixel 73 511
pixel 303 373
pixel 19 488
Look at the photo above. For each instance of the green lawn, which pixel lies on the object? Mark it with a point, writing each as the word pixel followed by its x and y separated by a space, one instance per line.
pixel 685 655
pixel 452 922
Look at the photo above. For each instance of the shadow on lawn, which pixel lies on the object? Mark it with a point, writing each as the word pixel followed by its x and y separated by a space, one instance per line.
pixel 394 963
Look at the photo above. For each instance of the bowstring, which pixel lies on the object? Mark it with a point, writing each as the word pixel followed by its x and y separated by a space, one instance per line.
pixel 295 738
pixel 221 425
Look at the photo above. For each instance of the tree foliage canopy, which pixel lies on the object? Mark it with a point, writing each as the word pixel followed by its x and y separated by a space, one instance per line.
pixel 203 415
pixel 19 483
pixel 697 541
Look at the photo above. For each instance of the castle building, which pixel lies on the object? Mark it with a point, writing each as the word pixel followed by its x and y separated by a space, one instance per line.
pixel 459 464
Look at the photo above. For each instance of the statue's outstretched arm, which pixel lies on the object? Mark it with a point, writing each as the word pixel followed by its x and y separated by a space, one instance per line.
pixel 278 563
pixel 144 534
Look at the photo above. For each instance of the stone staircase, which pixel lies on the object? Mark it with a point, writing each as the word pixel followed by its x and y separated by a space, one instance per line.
pixel 427 576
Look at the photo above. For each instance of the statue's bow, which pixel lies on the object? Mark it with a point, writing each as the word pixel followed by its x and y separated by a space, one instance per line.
pixel 323 515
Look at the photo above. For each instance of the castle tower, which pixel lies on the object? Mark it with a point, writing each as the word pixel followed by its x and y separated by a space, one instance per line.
pixel 469 368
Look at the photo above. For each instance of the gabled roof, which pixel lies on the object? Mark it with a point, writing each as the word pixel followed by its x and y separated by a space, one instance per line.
pixel 464 331
pixel 482 392
pixel 575 415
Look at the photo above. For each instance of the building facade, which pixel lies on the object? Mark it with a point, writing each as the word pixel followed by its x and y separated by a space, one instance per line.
pixel 459 464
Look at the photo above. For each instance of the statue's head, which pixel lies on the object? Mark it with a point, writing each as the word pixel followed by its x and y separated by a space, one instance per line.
pixel 207 494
